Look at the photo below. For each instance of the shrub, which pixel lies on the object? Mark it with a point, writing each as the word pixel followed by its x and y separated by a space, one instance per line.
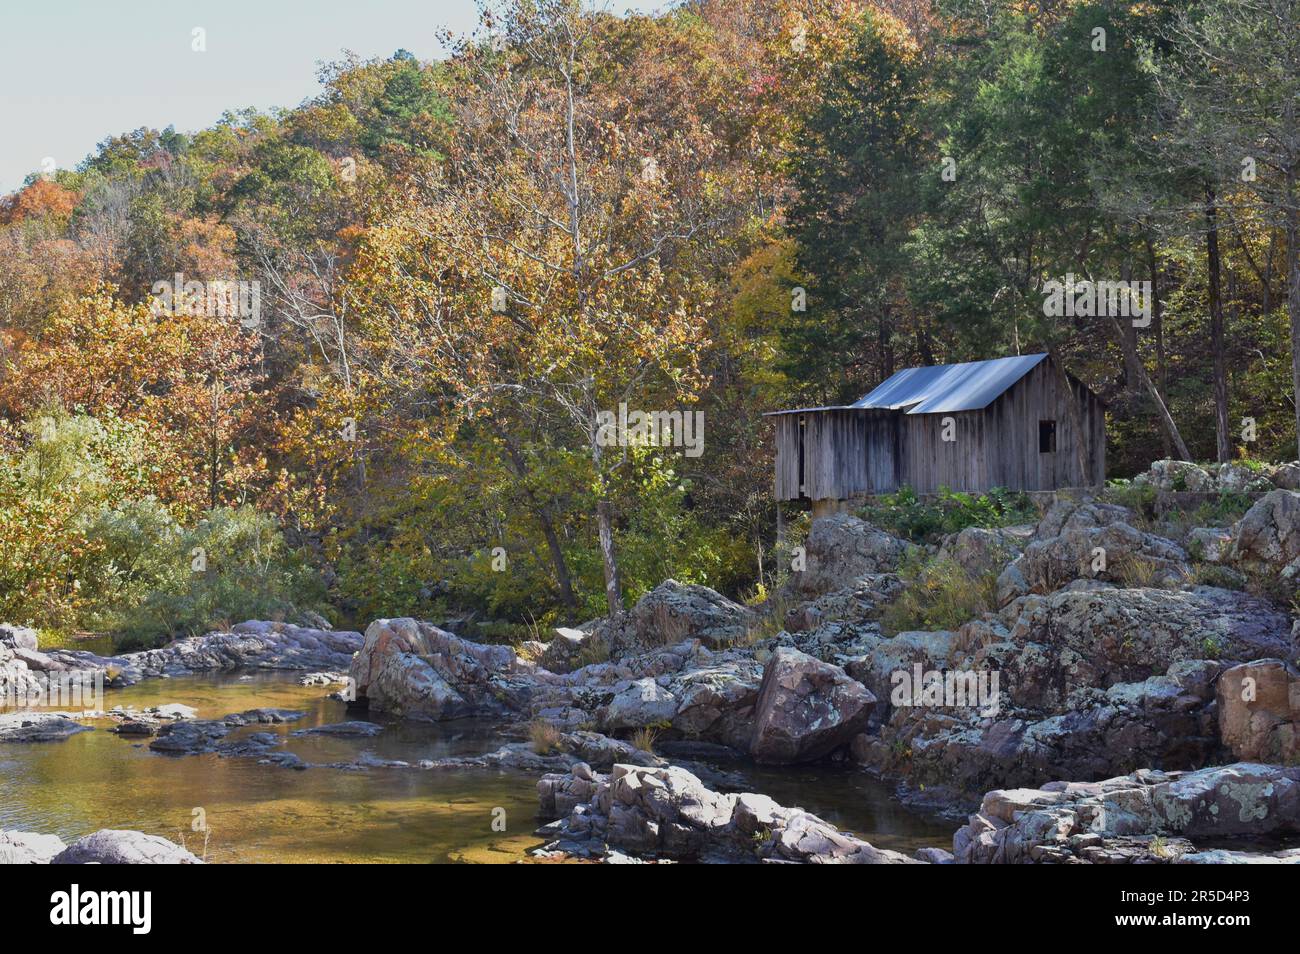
pixel 906 515
pixel 233 565
pixel 938 594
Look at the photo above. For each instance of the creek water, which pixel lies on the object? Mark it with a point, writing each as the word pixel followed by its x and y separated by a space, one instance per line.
pixel 266 813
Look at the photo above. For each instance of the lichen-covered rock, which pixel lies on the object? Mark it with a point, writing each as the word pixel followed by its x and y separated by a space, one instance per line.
pixel 842 549
pixel 1267 538
pixel 111 847
pixel 981 551
pixel 1286 476
pixel 1147 817
pixel 1167 720
pixel 642 702
pixel 1113 552
pixel 672 612
pixel 1210 544
pixel 1177 475
pixel 806 708
pixel 562 652
pixel 863 600
pixel 1098 636
pixel 1259 711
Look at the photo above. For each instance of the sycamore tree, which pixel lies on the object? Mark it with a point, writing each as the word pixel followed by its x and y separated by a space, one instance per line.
pixel 545 276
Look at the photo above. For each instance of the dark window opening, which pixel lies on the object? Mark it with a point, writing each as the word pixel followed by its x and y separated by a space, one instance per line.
pixel 1047 437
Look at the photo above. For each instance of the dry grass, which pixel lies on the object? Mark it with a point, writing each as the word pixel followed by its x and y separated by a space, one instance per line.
pixel 939 595
pixel 543 737
pixel 643 739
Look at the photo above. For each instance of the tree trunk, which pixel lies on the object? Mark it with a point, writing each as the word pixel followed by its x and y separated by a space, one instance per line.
pixel 1158 329
pixel 562 577
pixel 605 527
pixel 1223 449
pixel 1293 289
pixel 1166 419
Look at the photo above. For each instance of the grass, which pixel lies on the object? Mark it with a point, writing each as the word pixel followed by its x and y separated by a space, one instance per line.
pixel 938 594
pixel 543 737
pixel 593 651
pixel 643 739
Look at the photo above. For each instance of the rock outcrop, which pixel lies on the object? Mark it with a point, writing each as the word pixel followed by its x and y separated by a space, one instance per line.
pixel 416 670
pixel 1267 538
pixel 1091 541
pixel 675 611
pixel 1143 818
pixel 111 847
pixel 841 550
pixel 666 812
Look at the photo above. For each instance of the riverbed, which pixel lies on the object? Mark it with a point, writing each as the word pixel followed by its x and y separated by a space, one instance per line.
pixel 266 813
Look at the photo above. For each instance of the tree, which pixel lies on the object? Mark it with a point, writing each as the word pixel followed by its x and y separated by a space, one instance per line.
pixel 1236 81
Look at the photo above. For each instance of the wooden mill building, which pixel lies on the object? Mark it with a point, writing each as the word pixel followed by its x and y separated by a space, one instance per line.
pixel 967 427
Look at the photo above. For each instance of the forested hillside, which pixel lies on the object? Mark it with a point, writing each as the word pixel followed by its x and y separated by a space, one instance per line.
pixel 442 274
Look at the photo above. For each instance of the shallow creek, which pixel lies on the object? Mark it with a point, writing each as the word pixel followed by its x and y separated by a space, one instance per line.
pixel 265 813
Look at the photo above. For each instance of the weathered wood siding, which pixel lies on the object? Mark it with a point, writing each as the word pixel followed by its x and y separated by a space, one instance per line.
pixel 1012 431
pixel 851 453
pixel 845 453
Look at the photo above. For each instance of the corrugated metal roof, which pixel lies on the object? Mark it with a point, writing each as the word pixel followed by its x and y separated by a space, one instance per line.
pixel 944 388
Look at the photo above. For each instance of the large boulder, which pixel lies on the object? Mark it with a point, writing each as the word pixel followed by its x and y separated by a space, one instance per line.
pixel 17 637
pixel 1111 552
pixel 675 611
pixel 1286 476
pixel 981 551
pixel 806 708
pixel 842 549
pixel 716 702
pixel 110 847
pixel 1177 475
pixel 564 651
pixel 665 811
pixel 1267 538
pixel 1259 711
pixel 414 669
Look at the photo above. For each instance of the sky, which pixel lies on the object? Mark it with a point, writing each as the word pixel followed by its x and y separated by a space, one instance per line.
pixel 73 72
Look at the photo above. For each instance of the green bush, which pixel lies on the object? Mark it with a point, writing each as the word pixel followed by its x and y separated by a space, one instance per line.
pixel 234 565
pixel 904 514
